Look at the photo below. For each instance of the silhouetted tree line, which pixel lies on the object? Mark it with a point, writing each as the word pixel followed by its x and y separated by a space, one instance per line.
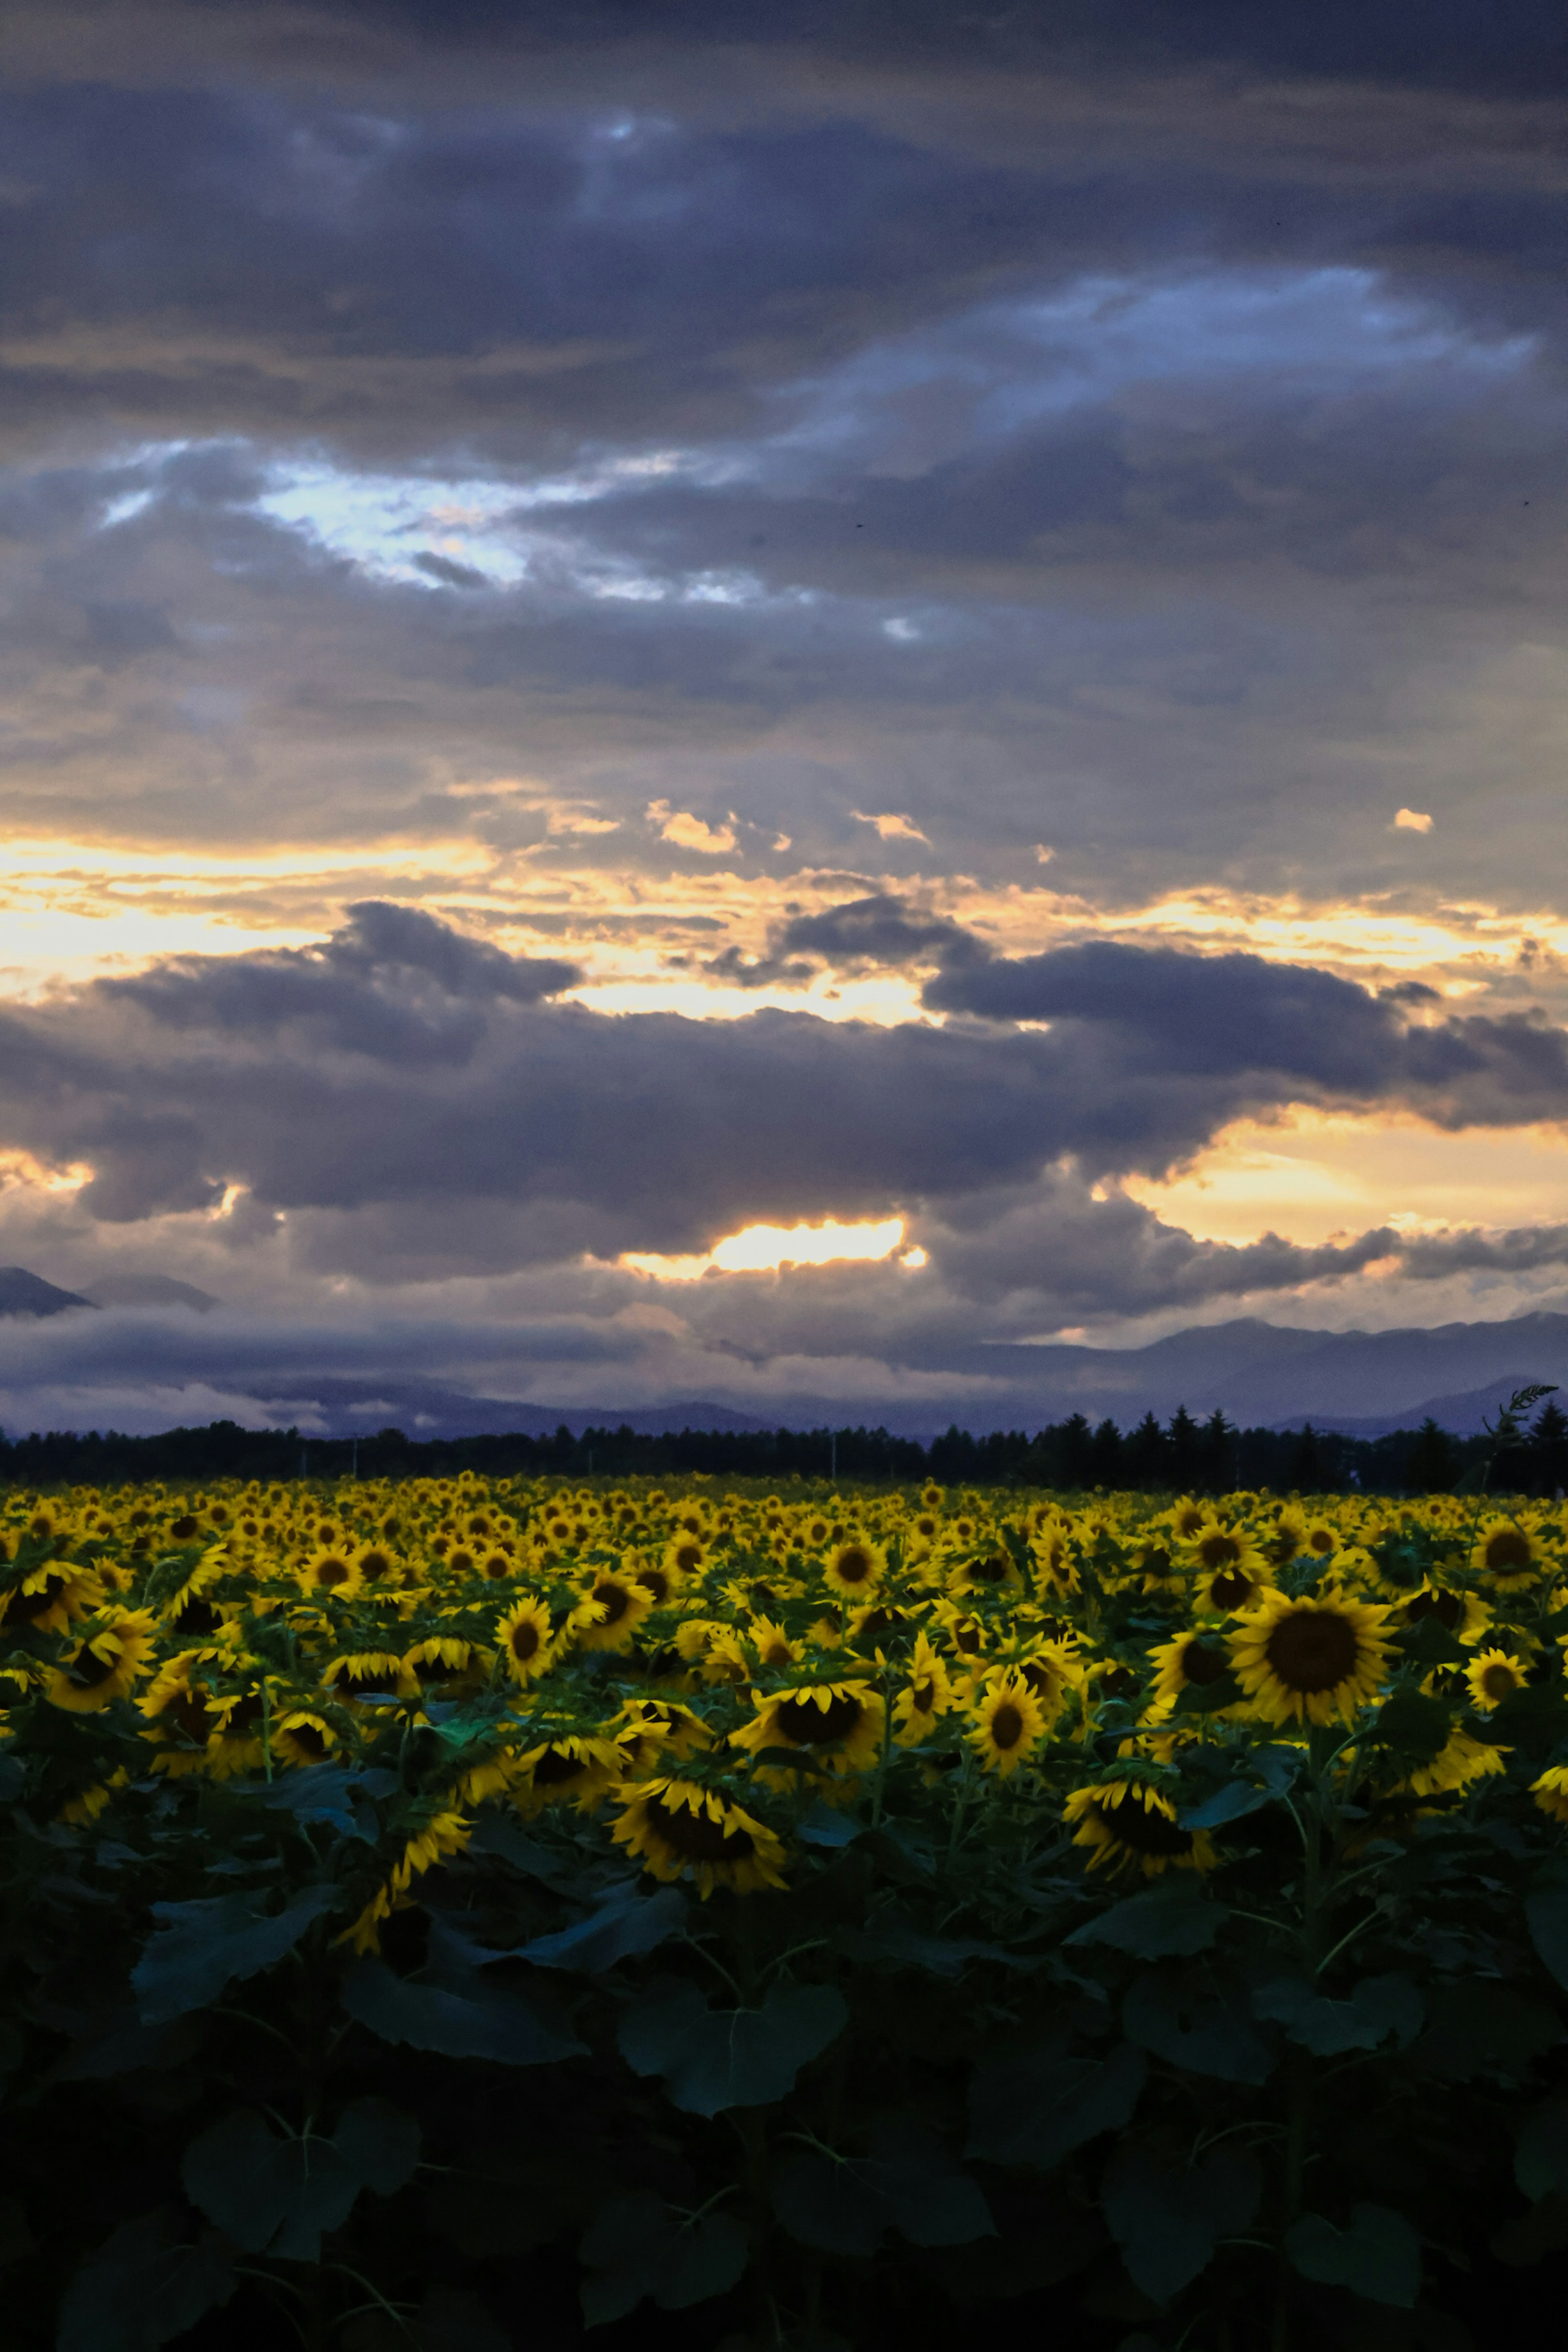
pixel 1183 1455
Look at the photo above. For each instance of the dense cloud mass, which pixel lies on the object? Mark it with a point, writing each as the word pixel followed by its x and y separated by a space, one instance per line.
pixel 620 626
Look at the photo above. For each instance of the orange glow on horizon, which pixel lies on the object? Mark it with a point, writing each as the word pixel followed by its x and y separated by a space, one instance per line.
pixel 763 1249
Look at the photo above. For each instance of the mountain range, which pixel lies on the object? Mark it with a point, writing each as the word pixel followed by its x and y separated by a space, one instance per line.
pixel 1260 1374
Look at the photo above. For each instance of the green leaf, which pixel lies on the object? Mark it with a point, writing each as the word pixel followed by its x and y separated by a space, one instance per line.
pixel 910 2182
pixel 828 1825
pixel 624 1924
pixel 1035 2106
pixel 142 2288
pixel 1430 1643
pixel 1232 1803
pixel 1540 2158
pixel 1174 1919
pixel 1378 2257
pixel 1546 1909
pixel 379 2144
pixel 1207 1698
pixel 461 2017
pixel 1482 2027
pixel 1326 2024
pixel 892 1938
pixel 717 2058
pixel 638 2246
pixel 203 1946
pixel 1166 2215
pixel 1412 1726
pixel 1532 1720
pixel 242 2176
pixel 1191 2021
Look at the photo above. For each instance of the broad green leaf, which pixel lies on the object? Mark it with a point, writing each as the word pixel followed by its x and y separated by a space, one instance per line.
pixel 1546 1909
pixel 638 2246
pixel 279 2195
pixel 1540 2158
pixel 626 1924
pixel 1035 2106
pixel 242 2175
pixel 1174 1920
pixel 1482 2027
pixel 1191 2021
pixel 717 2058
pixel 1326 2024
pixel 1378 2257
pixel 1231 1803
pixel 1412 1726
pixel 460 2018
pixel 1167 2216
pixel 142 2288
pixel 203 1946
pixel 379 2144
pixel 909 2182
pixel 892 1938
pixel 830 1825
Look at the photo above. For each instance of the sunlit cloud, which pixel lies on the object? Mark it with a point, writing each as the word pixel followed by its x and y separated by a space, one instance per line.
pixel 892 826
pixel 763 1249
pixel 689 832
pixel 1411 821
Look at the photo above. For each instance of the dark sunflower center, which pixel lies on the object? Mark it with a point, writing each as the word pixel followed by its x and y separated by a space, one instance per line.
pixel 380 1683
pixel 525 1641
pixel 853 1564
pixel 461 1561
pixel 990 1570
pixel 1040 1677
pixel 1312 1651
pixel 1219 1551
pixel 967 1639
pixel 1507 1549
pixel 191 1717
pixel 87 1670
pixel 922 1698
pixel 1499 1681
pixel 696 1837
pixel 1143 1828
pixel 184 1528
pixel 331 1572
pixel 374 1564
pixel 616 1601
pixel 687 1555
pixel 1230 1588
pixel 1157 1561
pixel 1447 1607
pixel 28 1605
pixel 199 1617
pixel 309 1740
pixel 553 1768
pixel 1202 1665
pixel 875 1622
pixel 805 1723
pixel 1119 1683
pixel 1006 1726
pixel 1320 1541
pixel 656 1584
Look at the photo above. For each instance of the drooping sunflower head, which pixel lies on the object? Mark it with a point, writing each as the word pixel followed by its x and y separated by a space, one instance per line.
pixel 573 1769
pixel 1509 1555
pixel 301 1736
pixel 1463 1615
pixel 927 1695
pixel 1312 1660
pixel 369 1674
pixel 1132 1825
pixel 51 1599
pixel 772 1645
pixel 1551 1792
pixel 114 1653
pixel 1194 1661
pixel 836 1724
pixel 678 1831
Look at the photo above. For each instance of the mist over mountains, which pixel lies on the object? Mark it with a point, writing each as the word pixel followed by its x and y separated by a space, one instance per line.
pixel 1260 1374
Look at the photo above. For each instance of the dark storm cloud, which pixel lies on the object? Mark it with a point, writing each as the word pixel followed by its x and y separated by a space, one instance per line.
pixel 403 1063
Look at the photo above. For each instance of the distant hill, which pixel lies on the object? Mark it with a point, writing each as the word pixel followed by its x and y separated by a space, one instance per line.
pixel 22 1293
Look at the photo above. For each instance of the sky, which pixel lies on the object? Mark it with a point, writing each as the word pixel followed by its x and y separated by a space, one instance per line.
pixel 727 702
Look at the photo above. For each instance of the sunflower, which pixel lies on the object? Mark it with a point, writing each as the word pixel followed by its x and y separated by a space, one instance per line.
pixel 1192 1661
pixel 1461 1760
pixel 1321 1539
pixel 1159 1571
pixel 1508 1556
pixel 928 1695
pixel 1050 1672
pixel 772 1645
pixel 111 1655
pixel 621 1604
pixel 1311 1660
pixel 684 1556
pixel 1463 1615
pixel 1054 1567
pixel 855 1568
pixel 331 1576
pixel 1186 1518
pixel 300 1736
pixel 525 1640
pixel 1493 1676
pixel 376 1564
pixel 1233 1583
pixel 370 1673
pixel 52 1598
pixel 443 1661
pixel 1286 1540
pixel 572 1769
pixel 1008 1725
pixel 1551 1792
pixel 837 1724
pixel 677 1829
pixel 1127 1824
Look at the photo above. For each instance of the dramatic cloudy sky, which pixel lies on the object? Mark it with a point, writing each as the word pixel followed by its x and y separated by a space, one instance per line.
pixel 624 623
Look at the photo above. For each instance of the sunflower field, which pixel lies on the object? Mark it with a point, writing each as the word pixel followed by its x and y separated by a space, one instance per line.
pixel 470 1915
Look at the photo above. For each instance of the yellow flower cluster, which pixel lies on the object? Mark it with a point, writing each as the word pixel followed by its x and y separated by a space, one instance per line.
pixel 698 1671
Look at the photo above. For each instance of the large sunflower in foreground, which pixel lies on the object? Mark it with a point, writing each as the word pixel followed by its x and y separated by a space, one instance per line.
pixel 1128 1825
pixel 676 1829
pixel 1312 1660
pixel 837 1724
